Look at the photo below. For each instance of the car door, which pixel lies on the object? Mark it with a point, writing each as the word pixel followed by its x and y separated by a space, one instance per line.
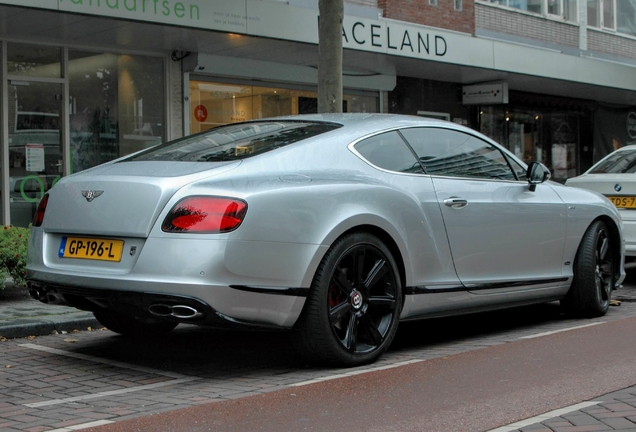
pixel 502 235
pixel 429 257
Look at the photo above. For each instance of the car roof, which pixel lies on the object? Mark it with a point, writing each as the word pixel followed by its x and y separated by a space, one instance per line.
pixel 379 120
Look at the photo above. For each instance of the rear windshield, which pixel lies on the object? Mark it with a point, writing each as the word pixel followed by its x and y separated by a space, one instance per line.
pixel 234 142
pixel 619 162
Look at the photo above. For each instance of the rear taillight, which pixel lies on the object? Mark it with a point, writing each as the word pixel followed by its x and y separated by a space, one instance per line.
pixel 205 215
pixel 39 213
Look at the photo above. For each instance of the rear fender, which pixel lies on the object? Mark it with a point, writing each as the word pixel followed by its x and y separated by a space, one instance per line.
pixel 365 222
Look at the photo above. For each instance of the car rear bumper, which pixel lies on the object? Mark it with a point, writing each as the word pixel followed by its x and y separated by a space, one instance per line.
pixel 259 309
pixel 253 283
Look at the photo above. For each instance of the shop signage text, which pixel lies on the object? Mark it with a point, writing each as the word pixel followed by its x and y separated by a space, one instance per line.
pixel 485 94
pixel 403 39
pixel 155 7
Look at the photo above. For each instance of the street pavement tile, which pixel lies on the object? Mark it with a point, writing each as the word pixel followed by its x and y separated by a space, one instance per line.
pixel 612 414
pixel 618 406
pixel 580 419
pixel 620 423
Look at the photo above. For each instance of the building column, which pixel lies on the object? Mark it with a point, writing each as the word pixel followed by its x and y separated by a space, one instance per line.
pixel 583 25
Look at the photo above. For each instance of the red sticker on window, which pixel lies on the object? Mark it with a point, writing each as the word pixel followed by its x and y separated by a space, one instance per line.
pixel 200 113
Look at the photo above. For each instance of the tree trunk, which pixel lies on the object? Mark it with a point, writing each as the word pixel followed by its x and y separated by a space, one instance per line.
pixel 330 56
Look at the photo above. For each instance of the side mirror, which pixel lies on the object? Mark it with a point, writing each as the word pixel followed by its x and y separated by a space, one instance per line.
pixel 536 174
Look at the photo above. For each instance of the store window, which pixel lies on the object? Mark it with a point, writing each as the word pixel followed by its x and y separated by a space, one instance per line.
pixel 34 127
pixel 35 147
pixel 116 106
pixel 34 60
pixel 214 104
pixel 552 138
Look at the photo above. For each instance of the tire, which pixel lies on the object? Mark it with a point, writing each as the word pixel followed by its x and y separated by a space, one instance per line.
pixel 352 311
pixel 131 326
pixel 591 290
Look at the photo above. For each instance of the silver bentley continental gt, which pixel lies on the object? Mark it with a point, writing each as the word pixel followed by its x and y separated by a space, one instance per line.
pixel 333 227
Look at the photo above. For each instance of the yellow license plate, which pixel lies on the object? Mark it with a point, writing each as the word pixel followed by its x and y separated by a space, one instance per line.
pixel 623 201
pixel 91 248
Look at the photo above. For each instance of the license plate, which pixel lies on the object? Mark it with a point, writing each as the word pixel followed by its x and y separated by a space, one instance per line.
pixel 91 248
pixel 623 201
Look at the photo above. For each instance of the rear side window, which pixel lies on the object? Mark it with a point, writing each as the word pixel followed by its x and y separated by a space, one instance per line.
pixel 234 142
pixel 390 152
pixel 456 154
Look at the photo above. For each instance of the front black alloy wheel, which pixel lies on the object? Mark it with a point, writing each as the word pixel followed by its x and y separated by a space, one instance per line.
pixel 591 290
pixel 352 311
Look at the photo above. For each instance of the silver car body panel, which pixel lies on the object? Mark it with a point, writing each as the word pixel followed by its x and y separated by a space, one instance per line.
pixel 301 198
pixel 130 200
pixel 498 225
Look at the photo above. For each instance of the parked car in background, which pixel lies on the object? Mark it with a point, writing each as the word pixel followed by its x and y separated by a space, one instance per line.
pixel 615 177
pixel 334 227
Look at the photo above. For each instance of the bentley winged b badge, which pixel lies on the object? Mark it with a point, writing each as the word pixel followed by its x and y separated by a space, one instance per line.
pixel 90 195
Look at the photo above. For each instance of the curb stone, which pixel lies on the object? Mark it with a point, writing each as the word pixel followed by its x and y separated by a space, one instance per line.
pixel 43 326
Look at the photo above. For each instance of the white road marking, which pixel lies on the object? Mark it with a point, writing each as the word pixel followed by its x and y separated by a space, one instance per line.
pixel 82 426
pixel 544 417
pixel 176 377
pixel 561 330
pixel 357 372
pixel 107 393
pixel 104 361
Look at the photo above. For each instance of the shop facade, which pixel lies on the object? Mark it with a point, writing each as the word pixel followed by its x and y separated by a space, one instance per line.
pixel 66 110
pixel 106 78
pixel 70 109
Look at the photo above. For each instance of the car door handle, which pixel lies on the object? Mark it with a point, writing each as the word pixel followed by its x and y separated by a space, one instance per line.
pixel 455 202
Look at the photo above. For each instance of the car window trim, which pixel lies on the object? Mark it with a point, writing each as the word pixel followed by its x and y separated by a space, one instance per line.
pixel 507 157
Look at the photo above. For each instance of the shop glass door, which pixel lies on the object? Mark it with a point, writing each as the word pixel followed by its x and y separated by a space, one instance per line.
pixel 35 146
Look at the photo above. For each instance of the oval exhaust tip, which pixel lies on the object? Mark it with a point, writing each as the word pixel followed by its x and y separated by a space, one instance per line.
pixel 175 311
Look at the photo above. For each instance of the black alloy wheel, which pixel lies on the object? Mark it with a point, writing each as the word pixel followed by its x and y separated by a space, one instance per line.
pixel 594 276
pixel 604 269
pixel 352 312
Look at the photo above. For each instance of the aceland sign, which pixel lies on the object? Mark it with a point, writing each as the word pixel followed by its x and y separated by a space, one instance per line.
pixel 392 38
pixel 283 21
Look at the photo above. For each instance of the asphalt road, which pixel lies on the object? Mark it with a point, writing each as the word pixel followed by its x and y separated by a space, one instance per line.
pixel 472 391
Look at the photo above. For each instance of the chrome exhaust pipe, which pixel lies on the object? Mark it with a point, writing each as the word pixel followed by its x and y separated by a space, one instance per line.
pixel 36 294
pixel 46 296
pixel 175 311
